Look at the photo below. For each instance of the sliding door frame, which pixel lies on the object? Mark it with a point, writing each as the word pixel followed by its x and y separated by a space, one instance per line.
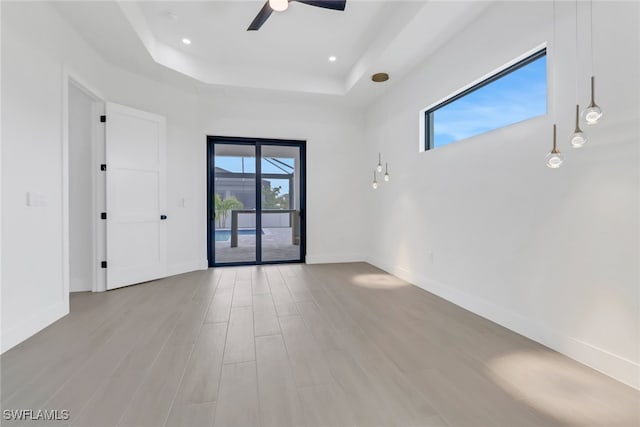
pixel 212 141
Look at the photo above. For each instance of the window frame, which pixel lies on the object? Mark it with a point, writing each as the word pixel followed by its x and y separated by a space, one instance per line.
pixel 427 144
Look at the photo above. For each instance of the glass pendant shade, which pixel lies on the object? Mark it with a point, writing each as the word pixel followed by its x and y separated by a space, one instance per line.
pixel 593 113
pixel 554 158
pixel 379 167
pixel 279 5
pixel 386 172
pixel 578 138
pixel 375 182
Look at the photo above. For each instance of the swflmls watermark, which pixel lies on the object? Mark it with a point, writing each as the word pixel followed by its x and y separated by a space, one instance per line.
pixel 35 415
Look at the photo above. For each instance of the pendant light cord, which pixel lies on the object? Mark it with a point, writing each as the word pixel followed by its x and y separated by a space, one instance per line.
pixel 577 70
pixel 591 35
pixel 555 66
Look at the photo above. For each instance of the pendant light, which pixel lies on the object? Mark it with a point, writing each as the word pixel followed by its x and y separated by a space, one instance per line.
pixel 379 167
pixel 386 172
pixel 375 182
pixel 279 5
pixel 554 158
pixel 577 138
pixel 593 112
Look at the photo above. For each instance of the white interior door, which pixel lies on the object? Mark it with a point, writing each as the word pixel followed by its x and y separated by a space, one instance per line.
pixel 136 196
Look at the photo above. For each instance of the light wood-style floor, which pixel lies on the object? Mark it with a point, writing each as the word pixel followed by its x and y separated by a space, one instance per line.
pixel 294 345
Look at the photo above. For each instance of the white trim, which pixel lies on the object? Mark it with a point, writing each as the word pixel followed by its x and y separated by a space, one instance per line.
pixel 98 191
pixel 333 258
pixel 421 123
pixel 1 287
pixel 619 368
pixel 186 267
pixel 65 186
pixel 69 76
pixel 33 325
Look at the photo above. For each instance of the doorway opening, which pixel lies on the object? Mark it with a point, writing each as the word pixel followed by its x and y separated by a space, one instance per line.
pixel 84 192
pixel 256 201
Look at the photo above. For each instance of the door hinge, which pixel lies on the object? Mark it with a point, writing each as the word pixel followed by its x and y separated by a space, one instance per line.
pixel 103 215
pixel 103 119
pixel 103 167
pixel 103 264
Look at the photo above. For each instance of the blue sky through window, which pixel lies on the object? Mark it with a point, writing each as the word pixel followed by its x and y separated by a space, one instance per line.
pixel 514 97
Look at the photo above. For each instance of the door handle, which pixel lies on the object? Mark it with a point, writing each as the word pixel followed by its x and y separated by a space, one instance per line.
pixel 163 217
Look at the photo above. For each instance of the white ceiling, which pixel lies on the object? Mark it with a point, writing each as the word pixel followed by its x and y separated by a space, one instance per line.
pixel 300 39
pixel 289 53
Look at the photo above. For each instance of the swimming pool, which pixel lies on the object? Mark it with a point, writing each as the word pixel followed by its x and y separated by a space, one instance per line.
pixel 224 235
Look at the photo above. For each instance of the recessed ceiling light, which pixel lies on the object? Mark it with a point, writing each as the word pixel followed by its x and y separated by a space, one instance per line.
pixel 332 59
pixel 186 41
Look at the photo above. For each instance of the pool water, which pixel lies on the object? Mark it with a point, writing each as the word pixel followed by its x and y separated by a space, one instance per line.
pixel 224 235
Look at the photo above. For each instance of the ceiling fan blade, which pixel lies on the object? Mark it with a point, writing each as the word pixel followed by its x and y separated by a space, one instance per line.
pixel 325 4
pixel 261 17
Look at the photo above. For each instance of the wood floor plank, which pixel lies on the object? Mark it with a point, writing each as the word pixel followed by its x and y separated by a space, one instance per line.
pixel 263 302
pixel 238 402
pixel 325 405
pixel 244 274
pixel 202 376
pixel 154 397
pixel 242 294
pixel 321 328
pixel 283 301
pixel 265 322
pixel 279 401
pixel 240 346
pixel 308 362
pixel 220 306
pixel 298 287
pixel 227 278
pixel 366 402
pixel 259 282
pixel 191 415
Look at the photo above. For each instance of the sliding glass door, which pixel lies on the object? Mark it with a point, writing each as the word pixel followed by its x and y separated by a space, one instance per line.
pixel 281 208
pixel 256 201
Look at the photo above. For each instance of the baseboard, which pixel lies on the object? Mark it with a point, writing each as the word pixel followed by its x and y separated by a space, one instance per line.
pixel 186 267
pixel 333 258
pixel 612 365
pixel 33 325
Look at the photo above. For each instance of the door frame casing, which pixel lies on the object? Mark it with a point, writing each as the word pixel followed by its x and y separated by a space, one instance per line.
pixel 98 249
pixel 257 143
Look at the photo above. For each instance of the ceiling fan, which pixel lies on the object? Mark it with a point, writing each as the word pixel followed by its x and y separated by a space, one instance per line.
pixel 282 5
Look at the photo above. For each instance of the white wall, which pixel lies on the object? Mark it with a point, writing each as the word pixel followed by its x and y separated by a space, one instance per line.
pixel 81 213
pixel 334 146
pixel 35 45
pixel 552 254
